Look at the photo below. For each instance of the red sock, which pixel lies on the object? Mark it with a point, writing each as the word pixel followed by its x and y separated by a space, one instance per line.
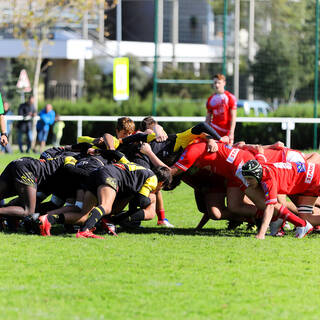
pixel 161 214
pixel 287 215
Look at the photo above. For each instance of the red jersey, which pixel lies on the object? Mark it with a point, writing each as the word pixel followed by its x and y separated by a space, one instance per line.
pixel 226 162
pixel 280 155
pixel 290 178
pixel 220 106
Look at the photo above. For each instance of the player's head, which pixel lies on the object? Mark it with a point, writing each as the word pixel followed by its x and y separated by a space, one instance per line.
pixel 219 82
pixel 147 123
pixel 125 127
pixel 252 171
pixel 164 176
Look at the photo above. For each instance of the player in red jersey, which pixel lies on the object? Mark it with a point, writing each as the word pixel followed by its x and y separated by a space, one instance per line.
pixel 222 109
pixel 284 178
pixel 225 161
pixel 279 153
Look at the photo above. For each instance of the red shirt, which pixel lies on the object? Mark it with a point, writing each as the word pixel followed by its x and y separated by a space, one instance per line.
pixel 290 178
pixel 226 162
pixel 280 155
pixel 220 106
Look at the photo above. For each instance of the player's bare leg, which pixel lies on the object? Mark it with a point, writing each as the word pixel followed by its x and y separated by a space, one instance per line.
pixel 28 196
pixel 162 220
pixel 236 204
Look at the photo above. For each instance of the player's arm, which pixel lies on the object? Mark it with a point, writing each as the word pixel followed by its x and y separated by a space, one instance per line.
pixel 267 216
pixel 81 147
pixel 277 145
pixel 233 116
pixel 211 145
pixel 208 118
pixel 70 166
pixel 112 155
pixel 146 149
pixel 138 137
pixel 109 141
pixel 203 127
pixel 142 199
pixel 161 135
pixel 3 138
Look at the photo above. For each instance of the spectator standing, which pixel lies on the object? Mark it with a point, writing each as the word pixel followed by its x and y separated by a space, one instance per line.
pixel 47 116
pixel 7 112
pixel 222 109
pixel 28 111
pixel 57 131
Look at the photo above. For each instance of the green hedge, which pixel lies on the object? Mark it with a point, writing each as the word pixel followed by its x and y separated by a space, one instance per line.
pixel 302 136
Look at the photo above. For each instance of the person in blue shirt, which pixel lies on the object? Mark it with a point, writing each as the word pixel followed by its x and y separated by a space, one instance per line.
pixel 47 116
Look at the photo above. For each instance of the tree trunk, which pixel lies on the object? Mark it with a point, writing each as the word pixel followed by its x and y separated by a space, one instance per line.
pixel 292 95
pixel 35 90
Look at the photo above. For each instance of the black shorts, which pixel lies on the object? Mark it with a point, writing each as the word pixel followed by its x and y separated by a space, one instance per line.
pixel 62 185
pixel 107 176
pixel 16 171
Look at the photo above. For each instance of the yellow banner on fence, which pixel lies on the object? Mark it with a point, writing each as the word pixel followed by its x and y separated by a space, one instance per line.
pixel 120 79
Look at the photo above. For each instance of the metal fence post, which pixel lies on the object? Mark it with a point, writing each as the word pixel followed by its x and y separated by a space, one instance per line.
pixel 79 128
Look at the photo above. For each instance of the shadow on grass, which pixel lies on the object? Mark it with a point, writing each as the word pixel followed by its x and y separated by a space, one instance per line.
pixel 59 231
pixel 188 232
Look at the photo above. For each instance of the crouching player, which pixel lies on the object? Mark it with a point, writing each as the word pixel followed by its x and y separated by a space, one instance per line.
pixel 283 178
pixel 112 183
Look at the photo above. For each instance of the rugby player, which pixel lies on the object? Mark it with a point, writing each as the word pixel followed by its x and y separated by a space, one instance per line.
pixel 22 177
pixel 117 181
pixel 224 161
pixel 284 178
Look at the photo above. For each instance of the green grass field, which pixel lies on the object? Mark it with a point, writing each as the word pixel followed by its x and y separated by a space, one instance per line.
pixel 159 273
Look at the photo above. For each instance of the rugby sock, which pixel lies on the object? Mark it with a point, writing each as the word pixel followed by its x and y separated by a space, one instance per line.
pixel 116 219
pixel 95 215
pixel 305 209
pixel 128 216
pixel 56 218
pixel 137 216
pixel 287 215
pixel 161 214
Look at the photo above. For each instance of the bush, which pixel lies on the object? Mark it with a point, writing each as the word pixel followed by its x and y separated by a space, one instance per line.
pixel 171 106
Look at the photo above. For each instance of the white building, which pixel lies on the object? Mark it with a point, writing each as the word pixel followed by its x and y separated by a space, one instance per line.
pixel 186 34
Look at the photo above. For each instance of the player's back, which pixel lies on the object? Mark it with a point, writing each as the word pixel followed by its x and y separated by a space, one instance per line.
pixel 292 177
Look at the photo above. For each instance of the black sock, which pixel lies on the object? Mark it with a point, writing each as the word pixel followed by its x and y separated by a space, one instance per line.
pixel 56 218
pixel 137 216
pixel 95 215
pixel 120 217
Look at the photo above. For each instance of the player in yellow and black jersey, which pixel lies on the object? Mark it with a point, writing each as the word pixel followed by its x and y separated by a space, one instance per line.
pixel 23 176
pixel 118 180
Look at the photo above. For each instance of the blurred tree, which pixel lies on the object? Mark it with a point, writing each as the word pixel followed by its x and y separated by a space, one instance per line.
pixel 285 36
pixel 33 21
pixel 185 91
pixel 276 68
